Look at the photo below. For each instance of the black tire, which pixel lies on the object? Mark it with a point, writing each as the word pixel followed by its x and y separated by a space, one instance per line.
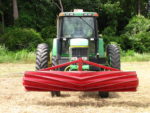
pixel 55 93
pixel 42 56
pixel 113 55
pixel 103 94
pixel 42 59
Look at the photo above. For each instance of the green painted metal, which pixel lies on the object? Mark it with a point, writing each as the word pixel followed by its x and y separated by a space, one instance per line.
pixel 101 47
pixel 78 14
pixel 54 48
pixel 65 55
pixel 75 67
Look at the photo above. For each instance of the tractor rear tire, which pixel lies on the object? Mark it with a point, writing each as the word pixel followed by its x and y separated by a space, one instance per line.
pixel 113 55
pixel 42 59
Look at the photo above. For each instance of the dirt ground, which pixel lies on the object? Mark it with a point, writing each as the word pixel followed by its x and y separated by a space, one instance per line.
pixel 13 98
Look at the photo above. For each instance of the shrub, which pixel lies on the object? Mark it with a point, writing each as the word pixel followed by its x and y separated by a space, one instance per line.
pixel 49 42
pixel 137 35
pixel 26 20
pixel 48 32
pixel 128 53
pixel 109 31
pixel 3 50
pixel 21 38
pixel 137 24
pixel 141 42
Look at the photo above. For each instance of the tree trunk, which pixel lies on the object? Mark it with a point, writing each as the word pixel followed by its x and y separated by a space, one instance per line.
pixel 2 17
pixel 61 5
pixel 15 10
pixel 139 7
pixel 148 7
pixel 3 23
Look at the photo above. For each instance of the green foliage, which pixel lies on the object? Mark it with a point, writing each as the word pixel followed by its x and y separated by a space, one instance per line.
pixel 137 25
pixel 110 15
pixel 109 36
pixel 48 32
pixel 3 50
pixel 49 42
pixel 1 28
pixel 37 14
pixel 141 43
pixel 112 9
pixel 26 21
pixel 137 34
pixel 21 38
pixel 109 31
pixel 127 53
pixel 41 16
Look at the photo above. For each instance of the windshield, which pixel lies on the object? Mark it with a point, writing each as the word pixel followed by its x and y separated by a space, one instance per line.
pixel 76 27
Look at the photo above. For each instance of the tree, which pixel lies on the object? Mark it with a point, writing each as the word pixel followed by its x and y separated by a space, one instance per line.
pixel 59 5
pixel 15 10
pixel 2 17
pixel 139 7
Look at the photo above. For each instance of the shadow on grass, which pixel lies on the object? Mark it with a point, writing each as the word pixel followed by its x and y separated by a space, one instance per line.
pixel 97 102
pixel 65 95
pixel 96 96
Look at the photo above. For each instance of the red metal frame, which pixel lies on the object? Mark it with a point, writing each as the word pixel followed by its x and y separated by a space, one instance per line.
pixel 109 80
pixel 80 62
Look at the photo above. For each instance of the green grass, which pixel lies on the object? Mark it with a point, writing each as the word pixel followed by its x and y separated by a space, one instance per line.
pixel 136 57
pixel 22 56
pixel 25 56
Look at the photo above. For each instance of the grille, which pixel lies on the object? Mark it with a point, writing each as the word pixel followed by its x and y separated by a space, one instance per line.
pixel 79 52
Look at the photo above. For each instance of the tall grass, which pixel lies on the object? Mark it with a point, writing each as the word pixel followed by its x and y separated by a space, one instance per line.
pixel 22 56
pixel 131 56
pixel 25 56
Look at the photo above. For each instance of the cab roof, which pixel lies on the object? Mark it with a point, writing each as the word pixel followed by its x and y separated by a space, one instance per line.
pixel 78 12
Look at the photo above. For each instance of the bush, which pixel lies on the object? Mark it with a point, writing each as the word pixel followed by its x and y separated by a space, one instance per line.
pixel 141 42
pixel 21 38
pixel 137 24
pixel 3 50
pixel 137 35
pixel 48 32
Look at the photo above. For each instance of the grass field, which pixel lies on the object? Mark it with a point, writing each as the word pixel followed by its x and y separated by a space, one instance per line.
pixel 24 56
pixel 13 98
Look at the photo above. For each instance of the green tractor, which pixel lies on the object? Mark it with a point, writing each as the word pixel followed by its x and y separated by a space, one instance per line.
pixel 77 37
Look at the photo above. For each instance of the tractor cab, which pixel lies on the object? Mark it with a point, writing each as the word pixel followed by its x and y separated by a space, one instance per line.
pixel 77 24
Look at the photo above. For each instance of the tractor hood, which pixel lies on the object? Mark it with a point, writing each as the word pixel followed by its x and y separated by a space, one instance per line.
pixel 78 48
